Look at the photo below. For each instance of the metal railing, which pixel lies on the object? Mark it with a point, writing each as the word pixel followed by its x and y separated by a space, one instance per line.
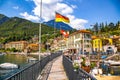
pixel 75 75
pixel 31 72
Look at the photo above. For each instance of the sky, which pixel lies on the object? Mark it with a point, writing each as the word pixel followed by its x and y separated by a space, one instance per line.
pixel 82 13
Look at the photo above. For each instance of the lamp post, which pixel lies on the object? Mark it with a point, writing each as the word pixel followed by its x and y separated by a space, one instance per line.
pixel 40 30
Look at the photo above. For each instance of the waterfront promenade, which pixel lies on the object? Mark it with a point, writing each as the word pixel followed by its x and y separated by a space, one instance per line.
pixel 57 71
pixel 54 70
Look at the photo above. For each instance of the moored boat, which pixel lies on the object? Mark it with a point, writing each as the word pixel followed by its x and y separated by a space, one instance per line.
pixel 2 53
pixel 8 65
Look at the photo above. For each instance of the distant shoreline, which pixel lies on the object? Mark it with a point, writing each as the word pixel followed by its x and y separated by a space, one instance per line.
pixel 23 53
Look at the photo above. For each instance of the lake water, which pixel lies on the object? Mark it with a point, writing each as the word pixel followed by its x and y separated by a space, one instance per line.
pixel 18 59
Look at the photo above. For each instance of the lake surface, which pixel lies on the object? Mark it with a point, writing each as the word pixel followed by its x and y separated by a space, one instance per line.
pixel 21 60
pixel 13 58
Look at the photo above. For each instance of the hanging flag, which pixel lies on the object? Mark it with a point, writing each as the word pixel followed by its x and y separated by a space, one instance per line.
pixel 68 32
pixel 61 18
pixel 62 32
pixel 65 34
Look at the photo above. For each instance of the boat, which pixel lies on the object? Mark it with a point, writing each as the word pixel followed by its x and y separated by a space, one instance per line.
pixel 2 53
pixel 31 59
pixel 9 66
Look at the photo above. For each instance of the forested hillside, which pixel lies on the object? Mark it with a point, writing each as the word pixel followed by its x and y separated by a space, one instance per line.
pixel 14 29
pixel 107 29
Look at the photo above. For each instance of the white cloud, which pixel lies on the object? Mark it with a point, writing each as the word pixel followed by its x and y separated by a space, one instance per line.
pixel 49 7
pixel 29 17
pixel 77 23
pixel 64 8
pixel 15 7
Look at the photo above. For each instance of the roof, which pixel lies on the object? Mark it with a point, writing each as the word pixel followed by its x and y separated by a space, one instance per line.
pixel 116 37
pixel 81 31
pixel 94 37
pixel 33 44
pixel 16 42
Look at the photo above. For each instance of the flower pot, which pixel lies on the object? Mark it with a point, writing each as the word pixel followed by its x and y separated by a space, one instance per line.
pixel 86 68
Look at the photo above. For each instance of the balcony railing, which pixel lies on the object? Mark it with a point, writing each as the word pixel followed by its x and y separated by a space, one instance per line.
pixel 75 75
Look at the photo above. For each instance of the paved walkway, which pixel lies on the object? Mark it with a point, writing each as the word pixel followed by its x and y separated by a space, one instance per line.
pixel 45 72
pixel 57 71
pixel 107 77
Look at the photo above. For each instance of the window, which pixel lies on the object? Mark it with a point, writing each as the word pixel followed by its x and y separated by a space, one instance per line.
pixel 77 36
pixel 87 46
pixel 87 36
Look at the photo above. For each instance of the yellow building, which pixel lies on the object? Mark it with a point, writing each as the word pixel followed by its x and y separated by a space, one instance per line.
pixel 97 44
pixel 107 41
pixel 110 41
pixel 19 45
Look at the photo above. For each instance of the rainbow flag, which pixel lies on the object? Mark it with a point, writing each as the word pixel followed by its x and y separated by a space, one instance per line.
pixel 61 18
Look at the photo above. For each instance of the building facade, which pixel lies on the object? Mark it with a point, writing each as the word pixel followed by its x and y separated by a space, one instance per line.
pixel 103 44
pixel 33 47
pixel 19 45
pixel 97 44
pixel 81 41
pixel 56 44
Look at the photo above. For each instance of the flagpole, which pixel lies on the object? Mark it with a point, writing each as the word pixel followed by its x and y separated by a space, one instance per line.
pixel 54 28
pixel 40 30
pixel 61 37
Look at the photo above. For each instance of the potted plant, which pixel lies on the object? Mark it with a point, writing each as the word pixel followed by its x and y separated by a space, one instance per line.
pixel 75 66
pixel 92 65
pixel 85 65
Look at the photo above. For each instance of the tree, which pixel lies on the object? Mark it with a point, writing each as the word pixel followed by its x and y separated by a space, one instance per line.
pixel 117 25
pixel 102 27
pixel 95 28
pixel 111 26
pixel 13 50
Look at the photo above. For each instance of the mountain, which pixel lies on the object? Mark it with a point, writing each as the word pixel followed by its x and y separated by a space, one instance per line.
pixel 58 25
pixel 15 28
pixel 3 18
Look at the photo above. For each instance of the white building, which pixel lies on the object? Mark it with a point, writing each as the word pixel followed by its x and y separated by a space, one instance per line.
pixel 110 48
pixel 80 41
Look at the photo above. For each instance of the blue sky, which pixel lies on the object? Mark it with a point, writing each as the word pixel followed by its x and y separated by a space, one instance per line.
pixel 82 13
